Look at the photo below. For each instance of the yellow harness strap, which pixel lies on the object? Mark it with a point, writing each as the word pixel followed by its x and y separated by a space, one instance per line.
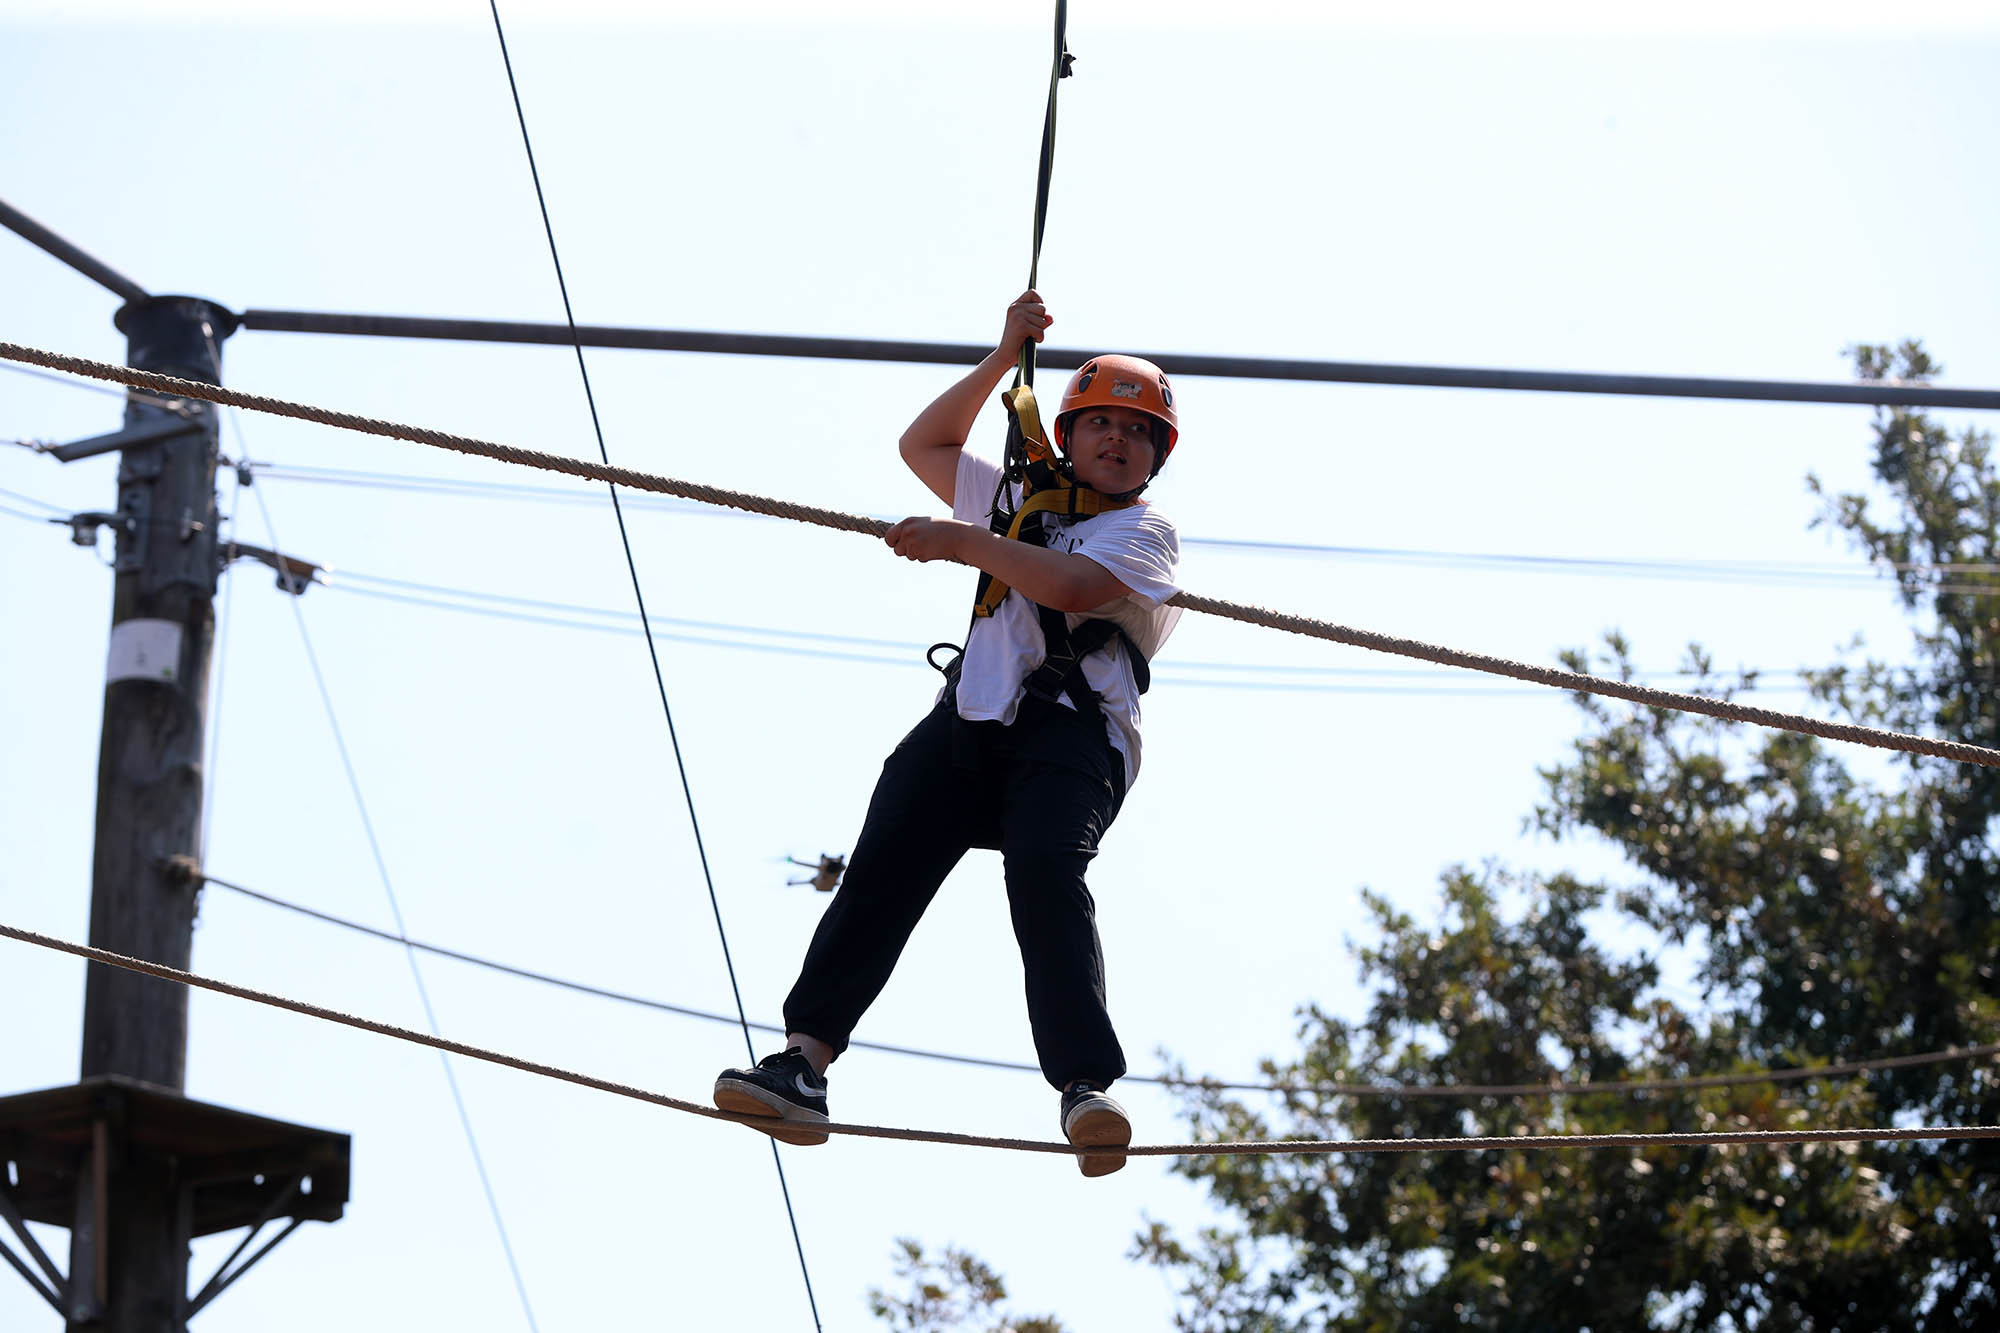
pixel 1058 496
pixel 1020 401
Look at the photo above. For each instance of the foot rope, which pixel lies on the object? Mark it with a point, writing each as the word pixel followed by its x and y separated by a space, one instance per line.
pixel 1216 1149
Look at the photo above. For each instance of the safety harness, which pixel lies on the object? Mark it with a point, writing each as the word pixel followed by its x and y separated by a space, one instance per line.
pixel 1048 489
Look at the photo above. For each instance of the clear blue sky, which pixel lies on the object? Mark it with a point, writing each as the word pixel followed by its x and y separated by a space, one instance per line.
pixel 1743 192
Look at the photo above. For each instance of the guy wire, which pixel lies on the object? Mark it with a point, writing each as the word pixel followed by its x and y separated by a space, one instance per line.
pixel 396 909
pixel 652 650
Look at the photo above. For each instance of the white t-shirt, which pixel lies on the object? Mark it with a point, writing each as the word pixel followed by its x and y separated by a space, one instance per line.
pixel 1139 547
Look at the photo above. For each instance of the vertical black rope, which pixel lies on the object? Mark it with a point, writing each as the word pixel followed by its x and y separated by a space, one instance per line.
pixel 652 650
pixel 1058 71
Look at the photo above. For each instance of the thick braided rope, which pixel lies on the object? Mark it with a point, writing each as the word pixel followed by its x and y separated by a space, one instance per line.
pixel 1400 1091
pixel 1582 684
pixel 833 518
pixel 464 444
pixel 1238 1149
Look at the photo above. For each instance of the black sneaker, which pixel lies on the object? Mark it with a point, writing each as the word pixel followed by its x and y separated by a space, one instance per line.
pixel 782 1085
pixel 1090 1119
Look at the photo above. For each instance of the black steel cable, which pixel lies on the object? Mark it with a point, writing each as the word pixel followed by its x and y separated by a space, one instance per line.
pixel 1871 393
pixel 33 232
pixel 1438 1090
pixel 652 649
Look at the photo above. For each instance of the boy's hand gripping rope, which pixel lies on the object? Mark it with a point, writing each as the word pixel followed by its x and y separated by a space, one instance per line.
pixel 1574 681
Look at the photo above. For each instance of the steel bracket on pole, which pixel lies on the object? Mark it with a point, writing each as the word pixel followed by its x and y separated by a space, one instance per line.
pixel 294 575
pixel 132 437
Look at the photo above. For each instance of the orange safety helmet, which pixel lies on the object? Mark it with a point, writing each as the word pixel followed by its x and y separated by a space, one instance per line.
pixel 1121 381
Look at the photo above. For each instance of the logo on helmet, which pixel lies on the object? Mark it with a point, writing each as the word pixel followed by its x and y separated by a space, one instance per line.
pixel 1124 389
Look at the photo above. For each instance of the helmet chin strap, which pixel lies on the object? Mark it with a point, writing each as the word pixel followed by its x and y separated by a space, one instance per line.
pixel 1062 462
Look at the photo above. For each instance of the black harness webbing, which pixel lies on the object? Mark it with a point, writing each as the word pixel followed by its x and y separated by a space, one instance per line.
pixel 1059 71
pixel 1020 399
pixel 1061 672
pixel 1064 649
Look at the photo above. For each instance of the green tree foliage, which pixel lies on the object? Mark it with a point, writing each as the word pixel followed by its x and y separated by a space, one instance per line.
pixel 955 1292
pixel 1840 906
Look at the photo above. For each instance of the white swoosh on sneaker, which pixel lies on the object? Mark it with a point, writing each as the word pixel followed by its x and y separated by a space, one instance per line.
pixel 799 1082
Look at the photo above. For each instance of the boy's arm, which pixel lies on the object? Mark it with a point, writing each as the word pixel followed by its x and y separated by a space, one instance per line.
pixel 933 441
pixel 1059 580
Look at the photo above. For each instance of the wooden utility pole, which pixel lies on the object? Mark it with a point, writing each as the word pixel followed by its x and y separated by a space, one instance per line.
pixel 149 763
pixel 149 795
pixel 122 1158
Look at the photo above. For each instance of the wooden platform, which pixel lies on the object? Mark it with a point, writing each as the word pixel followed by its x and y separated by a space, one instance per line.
pixel 236 1168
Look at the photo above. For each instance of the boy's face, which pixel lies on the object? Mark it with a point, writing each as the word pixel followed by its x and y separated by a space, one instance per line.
pixel 1111 448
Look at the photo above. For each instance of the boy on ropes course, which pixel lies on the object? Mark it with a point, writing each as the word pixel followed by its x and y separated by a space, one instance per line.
pixel 1033 741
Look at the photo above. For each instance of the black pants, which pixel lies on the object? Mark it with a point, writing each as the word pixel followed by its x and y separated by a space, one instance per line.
pixel 1042 792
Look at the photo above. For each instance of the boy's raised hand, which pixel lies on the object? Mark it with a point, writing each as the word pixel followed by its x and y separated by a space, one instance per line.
pixel 931 445
pixel 1027 318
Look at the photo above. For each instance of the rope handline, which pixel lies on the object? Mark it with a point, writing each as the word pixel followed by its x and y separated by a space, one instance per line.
pixel 1573 681
pixel 652 648
pixel 1552 1088
pixel 1220 1148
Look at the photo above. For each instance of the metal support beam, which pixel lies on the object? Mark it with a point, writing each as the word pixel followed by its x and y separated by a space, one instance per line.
pixel 32 1278
pixel 91 267
pixel 222 1277
pixel 221 1283
pixel 12 1216
pixel 1220 367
